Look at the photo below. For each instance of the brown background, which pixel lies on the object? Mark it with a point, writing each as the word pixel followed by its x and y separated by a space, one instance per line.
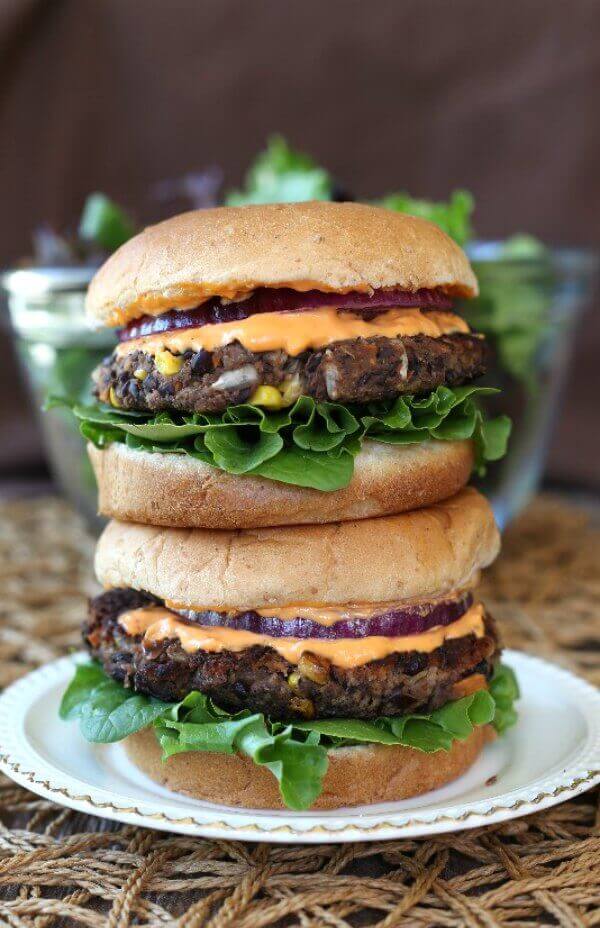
pixel 425 95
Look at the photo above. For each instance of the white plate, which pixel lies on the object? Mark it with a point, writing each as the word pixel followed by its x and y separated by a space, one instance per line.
pixel 551 755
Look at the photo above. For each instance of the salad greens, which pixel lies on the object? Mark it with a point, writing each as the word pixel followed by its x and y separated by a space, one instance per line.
pixel 522 247
pixel 281 175
pixel 454 217
pixel 105 223
pixel 512 308
pixel 296 754
pixel 309 444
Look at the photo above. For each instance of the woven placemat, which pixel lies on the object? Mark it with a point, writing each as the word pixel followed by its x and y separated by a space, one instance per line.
pixel 61 868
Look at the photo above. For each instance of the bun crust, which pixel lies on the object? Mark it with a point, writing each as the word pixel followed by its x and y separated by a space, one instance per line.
pixel 230 251
pixel 179 491
pixel 355 776
pixel 419 554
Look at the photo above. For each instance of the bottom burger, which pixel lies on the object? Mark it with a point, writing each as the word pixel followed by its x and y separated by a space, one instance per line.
pixel 310 667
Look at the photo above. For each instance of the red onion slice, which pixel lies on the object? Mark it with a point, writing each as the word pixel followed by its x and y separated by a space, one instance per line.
pixel 281 301
pixel 412 620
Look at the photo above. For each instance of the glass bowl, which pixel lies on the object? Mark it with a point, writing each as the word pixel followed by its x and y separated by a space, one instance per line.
pixel 528 308
pixel 58 350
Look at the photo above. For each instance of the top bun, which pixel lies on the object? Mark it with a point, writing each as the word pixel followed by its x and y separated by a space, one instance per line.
pixel 419 554
pixel 230 251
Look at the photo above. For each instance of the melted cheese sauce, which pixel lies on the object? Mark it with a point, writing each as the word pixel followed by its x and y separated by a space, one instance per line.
pixel 157 623
pixel 297 332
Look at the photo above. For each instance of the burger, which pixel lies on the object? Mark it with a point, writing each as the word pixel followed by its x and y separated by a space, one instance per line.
pixel 282 438
pixel 309 666
pixel 285 364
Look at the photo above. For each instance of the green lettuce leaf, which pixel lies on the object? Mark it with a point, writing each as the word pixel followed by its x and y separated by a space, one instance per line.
pixel 505 691
pixel 299 765
pixel 310 444
pixel 281 175
pixel 454 216
pixel 106 710
pixel 295 754
pixel 433 732
pixel 513 307
pixel 105 223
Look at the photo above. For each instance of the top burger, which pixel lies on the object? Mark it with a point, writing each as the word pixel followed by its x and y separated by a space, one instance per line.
pixel 298 362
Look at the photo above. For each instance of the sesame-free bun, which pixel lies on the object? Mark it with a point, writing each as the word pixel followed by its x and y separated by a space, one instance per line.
pixel 230 251
pixel 419 554
pixel 179 491
pixel 360 775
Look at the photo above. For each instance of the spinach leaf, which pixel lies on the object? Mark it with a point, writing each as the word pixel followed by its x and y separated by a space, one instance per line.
pixel 106 710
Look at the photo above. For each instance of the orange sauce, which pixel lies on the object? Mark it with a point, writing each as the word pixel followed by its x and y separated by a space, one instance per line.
pixel 297 332
pixel 157 623
pixel 468 686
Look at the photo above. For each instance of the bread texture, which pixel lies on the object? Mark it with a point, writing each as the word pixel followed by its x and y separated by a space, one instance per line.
pixel 419 554
pixel 179 491
pixel 230 251
pixel 356 775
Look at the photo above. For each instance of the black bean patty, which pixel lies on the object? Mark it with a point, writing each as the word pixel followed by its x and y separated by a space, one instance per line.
pixel 260 680
pixel 353 371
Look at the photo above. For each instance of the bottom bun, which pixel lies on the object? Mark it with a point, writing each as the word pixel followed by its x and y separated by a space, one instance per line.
pixel 356 776
pixel 176 490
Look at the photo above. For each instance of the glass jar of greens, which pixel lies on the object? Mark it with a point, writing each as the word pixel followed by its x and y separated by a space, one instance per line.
pixel 531 298
pixel 58 350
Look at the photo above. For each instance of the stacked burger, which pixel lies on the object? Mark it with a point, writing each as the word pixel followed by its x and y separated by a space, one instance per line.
pixel 282 438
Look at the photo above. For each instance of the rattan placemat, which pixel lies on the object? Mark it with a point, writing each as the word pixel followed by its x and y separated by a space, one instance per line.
pixel 60 868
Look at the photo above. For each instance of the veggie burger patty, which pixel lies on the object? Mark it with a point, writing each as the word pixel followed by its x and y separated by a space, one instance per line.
pixel 261 680
pixel 350 371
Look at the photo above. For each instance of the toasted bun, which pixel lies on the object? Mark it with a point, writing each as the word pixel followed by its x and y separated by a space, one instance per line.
pixel 356 776
pixel 179 491
pixel 417 554
pixel 229 252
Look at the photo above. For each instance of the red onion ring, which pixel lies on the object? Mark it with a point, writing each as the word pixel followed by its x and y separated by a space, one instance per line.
pixel 280 301
pixel 413 620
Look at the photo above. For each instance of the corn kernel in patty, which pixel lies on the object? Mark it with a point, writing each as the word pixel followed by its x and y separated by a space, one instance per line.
pixel 270 397
pixel 167 363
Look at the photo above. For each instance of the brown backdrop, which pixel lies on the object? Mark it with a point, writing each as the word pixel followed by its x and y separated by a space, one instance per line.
pixel 426 95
